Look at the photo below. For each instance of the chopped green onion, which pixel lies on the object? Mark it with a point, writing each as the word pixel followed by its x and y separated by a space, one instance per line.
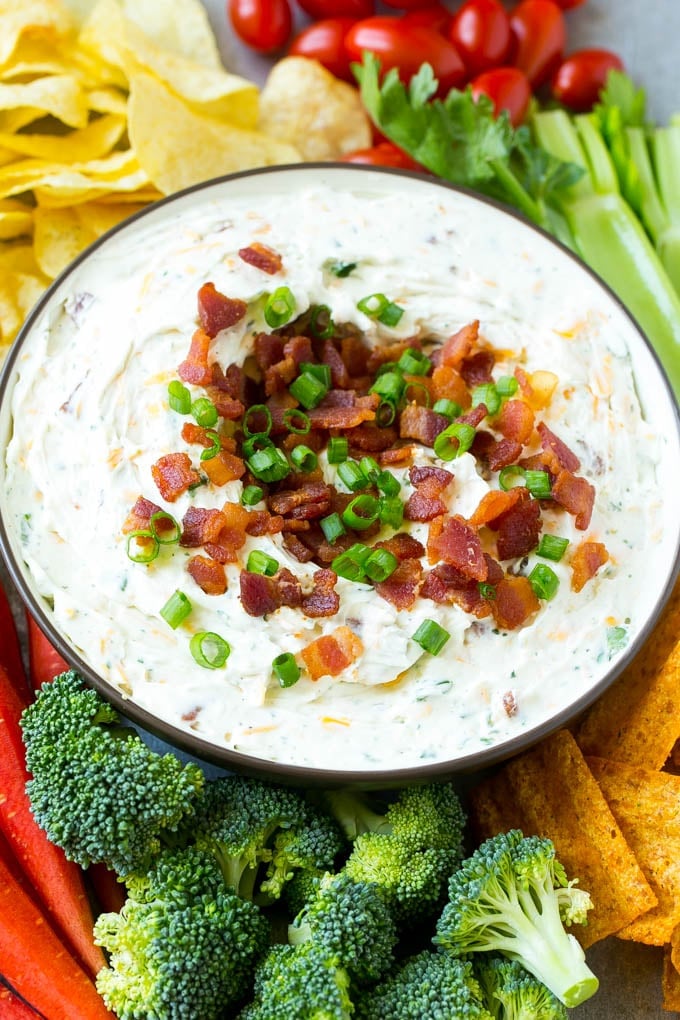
pixel 321 322
pixel 142 552
pixel 380 565
pixel 414 390
pixel 391 314
pixel 544 581
pixel 256 443
pixel 204 412
pixel 552 547
pixel 169 531
pixel 352 475
pixel 253 412
pixel 342 269
pixel 431 637
pixel 176 609
pixel 308 390
pixel 214 449
pixel 304 458
pixel 511 476
pixel 385 414
pixel 261 563
pixel 269 465
pixel 454 441
pixel 361 512
pixel 488 395
pixel 370 468
pixel 179 397
pixel 332 527
pixel 251 495
pixel 447 407
pixel 319 371
pixel 538 484
pixel 487 591
pixel 389 386
pixel 392 512
pixel 209 650
pixel 279 307
pixel 350 564
pixel 414 362
pixel 338 449
pixel 286 669
pixel 388 483
pixel 372 305
pixel 296 421
pixel 506 386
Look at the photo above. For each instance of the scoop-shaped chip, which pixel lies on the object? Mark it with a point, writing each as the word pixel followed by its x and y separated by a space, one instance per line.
pixel 48 18
pixel 305 105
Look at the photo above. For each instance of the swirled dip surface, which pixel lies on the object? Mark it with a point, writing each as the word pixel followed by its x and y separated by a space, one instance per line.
pixel 91 416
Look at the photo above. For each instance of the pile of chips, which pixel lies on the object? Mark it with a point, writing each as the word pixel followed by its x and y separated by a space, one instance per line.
pixel 608 795
pixel 107 106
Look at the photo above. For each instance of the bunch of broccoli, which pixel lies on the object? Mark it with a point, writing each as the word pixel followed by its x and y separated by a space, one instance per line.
pixel 253 900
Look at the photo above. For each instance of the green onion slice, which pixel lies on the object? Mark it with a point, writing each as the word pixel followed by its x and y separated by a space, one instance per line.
pixel 414 362
pixel 142 551
pixel 538 484
pixel 363 511
pixel 261 563
pixel 296 421
pixel 352 475
pixel 251 495
pixel 488 395
pixel 164 528
pixel 391 512
pixel 332 527
pixel 214 449
pixel 321 322
pixel 487 591
pixel 506 386
pixel 179 397
pixel 318 369
pixel 373 304
pixel 388 483
pixel 447 407
pixel 511 476
pixel 552 547
pixel 544 581
pixel 204 412
pixel 304 458
pixel 286 669
pixel 389 386
pixel 254 412
pixel 431 636
pixel 391 314
pixel 350 564
pixel 454 441
pixel 308 390
pixel 209 649
pixel 176 609
pixel 256 443
pixel 370 468
pixel 269 465
pixel 342 269
pixel 280 307
pixel 380 565
pixel 385 414
pixel 419 392
pixel 338 450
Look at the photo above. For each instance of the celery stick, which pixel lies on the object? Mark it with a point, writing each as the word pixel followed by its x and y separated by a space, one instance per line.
pixel 666 151
pixel 602 170
pixel 654 215
pixel 554 132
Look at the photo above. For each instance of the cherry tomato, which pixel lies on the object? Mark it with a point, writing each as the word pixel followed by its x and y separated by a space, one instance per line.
pixel 539 36
pixel 508 89
pixel 567 5
pixel 383 154
pixel 435 17
pixel 406 47
pixel 325 41
pixel 337 8
pixel 579 79
pixel 408 5
pixel 480 31
pixel 264 25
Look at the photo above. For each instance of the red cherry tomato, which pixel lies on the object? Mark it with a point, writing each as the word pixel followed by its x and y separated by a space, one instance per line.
pixel 434 17
pixel 406 47
pixel 325 41
pixel 539 36
pixel 264 25
pixel 408 5
pixel 567 5
pixel 383 154
pixel 508 89
pixel 579 79
pixel 480 31
pixel 337 8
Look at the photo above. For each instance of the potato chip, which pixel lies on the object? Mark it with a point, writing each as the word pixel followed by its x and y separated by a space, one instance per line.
pixel 18 294
pixel 637 720
pixel 14 120
pixel 16 220
pixel 670 982
pixel 190 148
pixel 306 106
pixel 119 171
pixel 18 257
pixel 33 57
pixel 645 804
pixel 107 100
pixel 58 237
pixel 550 791
pixel 59 95
pixel 80 146
pixel 20 18
pixel 99 217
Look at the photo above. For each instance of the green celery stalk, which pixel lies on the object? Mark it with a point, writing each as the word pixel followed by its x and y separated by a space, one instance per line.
pixel 654 215
pixel 666 152
pixel 610 237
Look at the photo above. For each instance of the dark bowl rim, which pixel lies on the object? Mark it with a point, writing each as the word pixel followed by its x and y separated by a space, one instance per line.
pixel 237 761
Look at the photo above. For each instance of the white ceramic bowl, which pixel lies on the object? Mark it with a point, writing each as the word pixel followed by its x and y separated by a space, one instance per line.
pixel 469 259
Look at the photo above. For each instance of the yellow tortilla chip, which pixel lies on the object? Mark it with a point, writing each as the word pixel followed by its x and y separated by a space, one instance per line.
pixel 59 95
pixel 16 220
pixel 190 148
pixel 80 146
pixel 550 791
pixel 670 982
pixel 306 106
pixel 637 720
pixel 645 804
pixel 19 18
pixel 58 237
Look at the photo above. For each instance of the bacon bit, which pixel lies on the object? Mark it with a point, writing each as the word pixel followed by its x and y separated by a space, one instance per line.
pixel 216 311
pixel 549 441
pixel 227 407
pixel 458 346
pixel 329 417
pixel 446 585
pixel 519 527
pixel 299 348
pixel 279 376
pixel 231 537
pixel 524 384
pixel 492 505
pixel 476 369
pixel 224 467
pixel 452 540
pixel 586 560
pixel 173 474
pixel 261 522
pixel 208 574
pixel 383 353
pixel 421 423
pixel 195 369
pixel 515 602
pixel 502 453
pixel 401 587
pixel 331 356
pixel 398 455
pixel 448 384
pixel 475 416
pixel 233 382
pixel 297 548
pixel 370 438
pixel 262 257
pixel 510 704
pixel 140 515
pixel 424 504
pixel 323 600
pixel 200 526
pixel 268 350
pixel 331 654
pixel 261 595
pixel 516 421
pixel 308 502
pixel 403 546
pixel 198 435
pixel 354 352
pixel 576 495
pixel 544 461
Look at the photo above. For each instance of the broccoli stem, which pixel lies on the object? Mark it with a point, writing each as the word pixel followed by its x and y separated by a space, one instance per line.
pixel 354 815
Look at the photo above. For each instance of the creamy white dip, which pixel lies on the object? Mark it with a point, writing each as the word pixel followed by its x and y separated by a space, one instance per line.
pixel 91 416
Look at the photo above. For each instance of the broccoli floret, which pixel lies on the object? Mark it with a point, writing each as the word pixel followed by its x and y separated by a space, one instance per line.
pixel 350 921
pixel 512 993
pixel 312 847
pixel 184 946
pixel 429 986
pixel 299 983
pixel 430 815
pixel 301 888
pixel 97 790
pixel 508 897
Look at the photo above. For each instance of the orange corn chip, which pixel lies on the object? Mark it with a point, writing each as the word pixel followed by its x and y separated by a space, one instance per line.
pixel 670 983
pixel 550 791
pixel 638 719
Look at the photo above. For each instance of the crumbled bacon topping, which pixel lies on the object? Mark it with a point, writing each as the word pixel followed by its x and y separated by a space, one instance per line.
pixel 576 495
pixel 331 654
pixel 208 574
pixel 262 257
pixel 586 560
pixel 453 541
pixel 216 311
pixel 173 474
pixel 424 503
pixel 195 369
